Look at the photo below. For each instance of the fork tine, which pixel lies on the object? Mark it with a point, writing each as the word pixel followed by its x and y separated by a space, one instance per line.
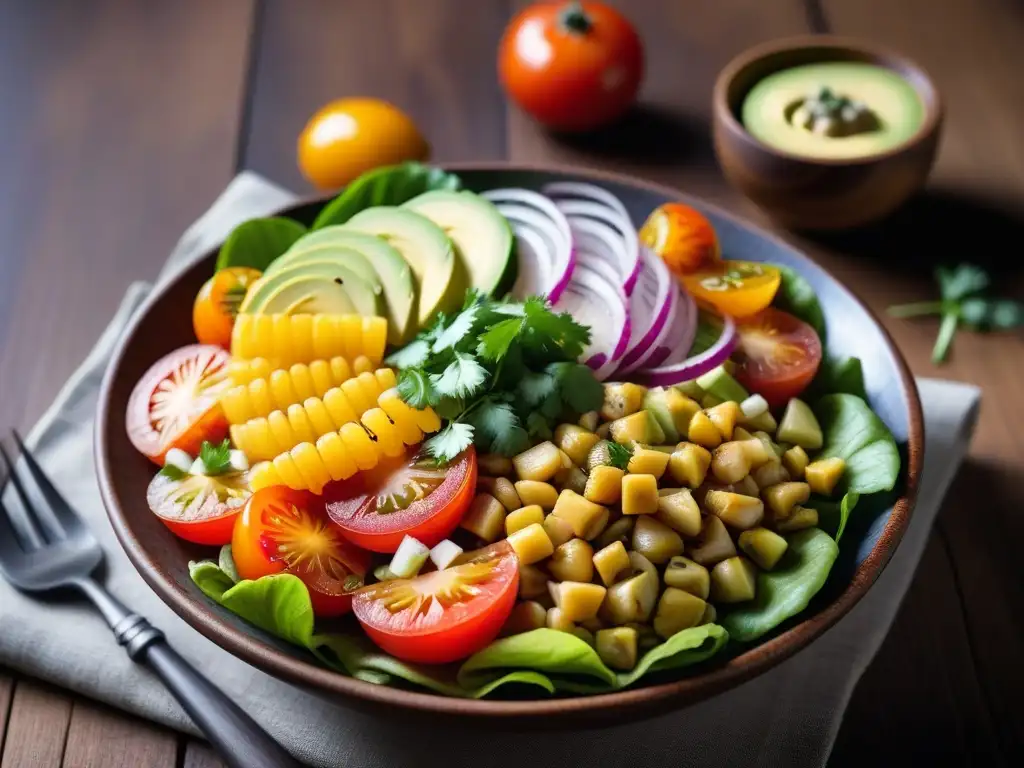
pixel 13 547
pixel 22 527
pixel 58 506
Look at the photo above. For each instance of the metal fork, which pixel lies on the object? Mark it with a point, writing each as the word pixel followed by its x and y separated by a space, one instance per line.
pixel 49 547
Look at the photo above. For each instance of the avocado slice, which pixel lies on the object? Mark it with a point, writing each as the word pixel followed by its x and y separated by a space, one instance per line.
pixel 426 249
pixel 800 427
pixel 347 247
pixel 482 236
pixel 314 287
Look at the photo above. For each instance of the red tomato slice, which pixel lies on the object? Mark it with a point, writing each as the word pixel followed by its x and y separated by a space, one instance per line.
pixel 197 507
pixel 442 616
pixel 176 402
pixel 777 355
pixel 281 530
pixel 403 497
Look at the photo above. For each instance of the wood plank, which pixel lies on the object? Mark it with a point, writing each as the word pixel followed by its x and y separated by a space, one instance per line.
pixel 37 726
pixel 6 694
pixel 123 117
pixel 418 56
pixel 199 755
pixel 99 737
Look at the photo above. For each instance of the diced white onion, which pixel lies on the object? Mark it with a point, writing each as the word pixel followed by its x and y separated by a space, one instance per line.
pixel 239 461
pixel 754 406
pixel 409 558
pixel 444 553
pixel 198 467
pixel 178 458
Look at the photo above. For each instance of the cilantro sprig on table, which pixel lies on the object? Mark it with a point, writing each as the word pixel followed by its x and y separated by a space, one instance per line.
pixel 963 303
pixel 500 372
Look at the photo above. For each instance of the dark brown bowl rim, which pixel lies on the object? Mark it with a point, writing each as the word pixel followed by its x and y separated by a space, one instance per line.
pixel 929 94
pixel 736 670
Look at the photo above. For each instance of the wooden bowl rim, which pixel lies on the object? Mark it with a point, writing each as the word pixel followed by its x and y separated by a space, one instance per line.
pixel 925 88
pixel 757 660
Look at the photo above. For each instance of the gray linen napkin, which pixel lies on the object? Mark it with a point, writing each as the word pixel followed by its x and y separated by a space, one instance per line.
pixel 787 717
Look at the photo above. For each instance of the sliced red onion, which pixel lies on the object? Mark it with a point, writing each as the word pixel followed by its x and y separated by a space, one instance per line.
pixel 562 259
pixel 533 254
pixel 645 354
pixel 649 305
pixel 666 375
pixel 675 348
pixel 568 193
pixel 598 303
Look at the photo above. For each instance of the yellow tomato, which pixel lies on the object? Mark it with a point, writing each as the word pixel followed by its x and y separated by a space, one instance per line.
pixel 351 136
pixel 737 288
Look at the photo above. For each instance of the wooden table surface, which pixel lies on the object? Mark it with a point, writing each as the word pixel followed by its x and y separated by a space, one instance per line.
pixel 121 121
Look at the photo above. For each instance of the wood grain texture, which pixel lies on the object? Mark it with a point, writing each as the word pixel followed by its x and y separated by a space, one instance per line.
pixel 434 59
pixel 101 738
pixel 6 693
pixel 123 118
pixel 37 727
pixel 199 755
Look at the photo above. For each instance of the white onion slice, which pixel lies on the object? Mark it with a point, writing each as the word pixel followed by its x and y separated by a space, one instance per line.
pixel 534 254
pixel 620 218
pixel 649 305
pixel 698 365
pixel 599 304
pixel 562 259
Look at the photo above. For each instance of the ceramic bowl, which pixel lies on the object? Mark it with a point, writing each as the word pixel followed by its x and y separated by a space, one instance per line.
pixel 164 323
pixel 817 194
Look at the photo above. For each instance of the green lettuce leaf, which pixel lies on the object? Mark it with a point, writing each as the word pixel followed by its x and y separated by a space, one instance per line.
pixel 257 242
pixel 797 297
pixel 784 592
pixel 690 646
pixel 391 185
pixel 833 515
pixel 839 375
pixel 856 435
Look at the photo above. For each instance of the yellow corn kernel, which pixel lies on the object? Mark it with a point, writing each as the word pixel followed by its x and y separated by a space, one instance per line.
pixel 281 389
pixel 402 416
pixel 242 370
pixel 302 338
pixel 281 431
pixel 237 408
pixel 302 429
pixel 289 473
pixel 255 439
pixel 357 395
pixel 318 416
pixel 279 336
pixel 384 432
pixel 261 399
pixel 386 379
pixel 349 330
pixel 639 495
pixel 531 544
pixel 289 339
pixel 323 335
pixel 264 475
pixel 302 382
pixel 307 460
pixel 339 408
pixel 362 364
pixel 374 337
pixel 336 456
pixel 342 371
pixel 522 517
pixel 320 373
pixel 360 447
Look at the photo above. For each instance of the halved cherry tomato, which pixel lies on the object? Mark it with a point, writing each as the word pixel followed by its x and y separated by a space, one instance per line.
pixel 176 402
pixel 199 508
pixel 402 497
pixel 442 616
pixel 572 66
pixel 282 530
pixel 777 355
pixel 737 288
pixel 682 236
pixel 217 303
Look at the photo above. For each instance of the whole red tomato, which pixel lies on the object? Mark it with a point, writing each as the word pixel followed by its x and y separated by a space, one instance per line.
pixel 572 66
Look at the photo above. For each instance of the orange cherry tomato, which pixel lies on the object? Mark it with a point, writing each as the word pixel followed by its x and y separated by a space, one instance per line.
pixel 777 355
pixel 402 497
pixel 199 508
pixel 176 403
pixel 442 616
pixel 737 288
pixel 217 303
pixel 572 66
pixel 286 531
pixel 682 236
pixel 348 137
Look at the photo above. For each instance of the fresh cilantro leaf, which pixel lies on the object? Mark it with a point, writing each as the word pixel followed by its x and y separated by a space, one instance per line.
pixel 463 377
pixel 415 388
pixel 216 458
pixel 450 408
pixel 580 390
pixel 619 455
pixel 560 328
pixel 412 355
pixel 551 406
pixel 450 441
pixel 473 297
pixel 984 314
pixel 534 387
pixel 495 341
pixel 537 427
pixel 512 442
pixel 460 328
pixel 493 420
pixel 436 328
pixel 963 281
pixel 173 472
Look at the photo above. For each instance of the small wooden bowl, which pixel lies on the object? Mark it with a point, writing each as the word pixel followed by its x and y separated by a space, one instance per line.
pixel 811 193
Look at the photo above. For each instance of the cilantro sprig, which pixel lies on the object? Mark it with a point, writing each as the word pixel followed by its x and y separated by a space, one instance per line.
pixel 500 372
pixel 963 303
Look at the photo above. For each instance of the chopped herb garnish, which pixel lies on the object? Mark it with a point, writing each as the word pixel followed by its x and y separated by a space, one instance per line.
pixel 216 458
pixel 619 455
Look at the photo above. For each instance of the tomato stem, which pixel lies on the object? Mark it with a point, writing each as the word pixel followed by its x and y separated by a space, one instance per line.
pixel 575 19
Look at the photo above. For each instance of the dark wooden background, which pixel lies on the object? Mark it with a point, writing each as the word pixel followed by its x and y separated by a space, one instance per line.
pixel 121 121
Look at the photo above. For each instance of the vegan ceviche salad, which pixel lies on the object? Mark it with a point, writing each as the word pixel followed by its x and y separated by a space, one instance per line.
pixel 459 441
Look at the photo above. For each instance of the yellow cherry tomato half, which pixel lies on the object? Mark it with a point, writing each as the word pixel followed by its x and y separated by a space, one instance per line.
pixel 682 236
pixel 737 288
pixel 217 303
pixel 348 137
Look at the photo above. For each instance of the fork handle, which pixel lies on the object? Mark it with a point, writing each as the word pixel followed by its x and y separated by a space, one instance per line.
pixel 236 736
